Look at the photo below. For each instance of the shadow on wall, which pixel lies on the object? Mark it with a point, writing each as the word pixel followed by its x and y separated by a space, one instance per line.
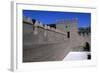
pixel 87 47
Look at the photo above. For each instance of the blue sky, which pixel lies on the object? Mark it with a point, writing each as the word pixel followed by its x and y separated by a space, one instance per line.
pixel 49 17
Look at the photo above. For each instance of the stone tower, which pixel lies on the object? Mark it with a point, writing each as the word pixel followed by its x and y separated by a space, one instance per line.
pixel 70 27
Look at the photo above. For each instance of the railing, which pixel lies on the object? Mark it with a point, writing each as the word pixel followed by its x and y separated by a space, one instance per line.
pixel 28 23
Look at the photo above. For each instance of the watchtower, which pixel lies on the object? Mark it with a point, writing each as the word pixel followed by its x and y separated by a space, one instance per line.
pixel 70 27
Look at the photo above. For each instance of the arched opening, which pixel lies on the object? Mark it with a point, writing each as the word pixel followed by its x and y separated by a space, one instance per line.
pixel 68 34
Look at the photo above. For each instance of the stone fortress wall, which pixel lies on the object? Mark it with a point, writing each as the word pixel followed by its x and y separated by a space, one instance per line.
pixel 35 32
pixel 52 42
